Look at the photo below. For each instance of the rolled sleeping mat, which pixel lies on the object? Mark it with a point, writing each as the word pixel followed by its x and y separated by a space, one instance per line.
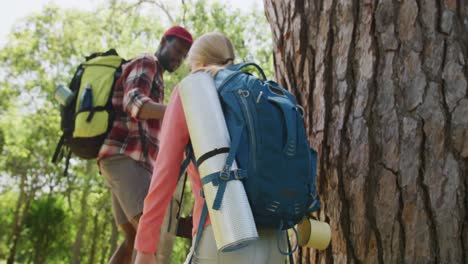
pixel 313 234
pixel 233 224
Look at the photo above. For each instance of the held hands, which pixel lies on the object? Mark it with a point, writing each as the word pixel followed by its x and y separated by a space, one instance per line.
pixel 144 258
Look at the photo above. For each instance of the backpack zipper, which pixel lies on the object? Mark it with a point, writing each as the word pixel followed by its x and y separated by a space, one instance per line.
pixel 259 96
pixel 243 94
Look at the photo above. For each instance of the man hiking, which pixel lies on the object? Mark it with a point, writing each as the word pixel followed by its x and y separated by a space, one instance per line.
pixel 127 155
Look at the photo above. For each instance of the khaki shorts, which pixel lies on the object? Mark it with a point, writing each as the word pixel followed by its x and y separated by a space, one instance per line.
pixel 129 182
pixel 262 251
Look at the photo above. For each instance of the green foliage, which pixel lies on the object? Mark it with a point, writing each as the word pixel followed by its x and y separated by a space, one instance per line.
pixel 180 250
pixel 47 230
pixel 43 51
pixel 7 208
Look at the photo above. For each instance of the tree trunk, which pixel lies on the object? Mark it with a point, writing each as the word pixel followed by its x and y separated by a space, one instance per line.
pixel 41 244
pixel 114 236
pixel 22 207
pixel 94 241
pixel 384 86
pixel 102 238
pixel 17 232
pixel 16 218
pixel 82 227
pixel 83 219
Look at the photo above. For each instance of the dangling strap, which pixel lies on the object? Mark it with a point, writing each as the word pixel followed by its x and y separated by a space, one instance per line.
pixel 183 168
pixel 171 204
pixel 181 197
pixel 291 257
pixel 182 172
pixel 67 163
pixel 201 224
pixel 58 149
pixel 278 239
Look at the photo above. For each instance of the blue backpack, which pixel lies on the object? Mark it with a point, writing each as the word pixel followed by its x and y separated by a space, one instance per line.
pixel 270 145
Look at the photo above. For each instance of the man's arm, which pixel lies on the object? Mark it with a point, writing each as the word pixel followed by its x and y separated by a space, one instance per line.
pixel 151 110
pixel 137 87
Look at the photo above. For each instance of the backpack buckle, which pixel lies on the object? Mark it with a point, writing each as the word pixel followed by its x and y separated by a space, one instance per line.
pixel 224 174
pixel 236 174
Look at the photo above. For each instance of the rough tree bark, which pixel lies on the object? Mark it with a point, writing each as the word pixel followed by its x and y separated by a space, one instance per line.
pixel 384 85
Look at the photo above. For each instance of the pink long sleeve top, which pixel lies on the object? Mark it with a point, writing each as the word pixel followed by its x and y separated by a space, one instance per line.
pixel 174 138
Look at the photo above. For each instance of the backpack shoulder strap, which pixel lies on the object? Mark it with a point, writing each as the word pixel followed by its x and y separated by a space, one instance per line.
pixel 222 76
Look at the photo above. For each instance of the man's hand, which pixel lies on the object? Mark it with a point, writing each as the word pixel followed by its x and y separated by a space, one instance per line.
pixel 144 258
pixel 152 110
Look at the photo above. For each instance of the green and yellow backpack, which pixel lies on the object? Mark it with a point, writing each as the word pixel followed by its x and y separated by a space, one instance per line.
pixel 85 128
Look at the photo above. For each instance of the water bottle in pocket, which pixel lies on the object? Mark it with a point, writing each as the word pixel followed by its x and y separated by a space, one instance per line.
pixel 86 102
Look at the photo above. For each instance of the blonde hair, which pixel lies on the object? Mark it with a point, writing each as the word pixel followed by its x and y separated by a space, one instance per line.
pixel 211 53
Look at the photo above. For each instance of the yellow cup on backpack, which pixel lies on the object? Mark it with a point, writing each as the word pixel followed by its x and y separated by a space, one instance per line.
pixel 313 234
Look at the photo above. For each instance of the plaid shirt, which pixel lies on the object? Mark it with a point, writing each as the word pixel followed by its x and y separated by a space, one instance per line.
pixel 141 81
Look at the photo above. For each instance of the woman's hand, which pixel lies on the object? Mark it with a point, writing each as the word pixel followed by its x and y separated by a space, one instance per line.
pixel 144 258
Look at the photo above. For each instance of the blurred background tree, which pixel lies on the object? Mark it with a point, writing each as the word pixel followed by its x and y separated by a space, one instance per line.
pixel 50 218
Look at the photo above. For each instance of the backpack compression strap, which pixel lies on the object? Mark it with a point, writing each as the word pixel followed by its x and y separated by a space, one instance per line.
pixel 221 178
pixel 211 154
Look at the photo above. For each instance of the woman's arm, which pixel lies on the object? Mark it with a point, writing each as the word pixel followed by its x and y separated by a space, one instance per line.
pixel 174 138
